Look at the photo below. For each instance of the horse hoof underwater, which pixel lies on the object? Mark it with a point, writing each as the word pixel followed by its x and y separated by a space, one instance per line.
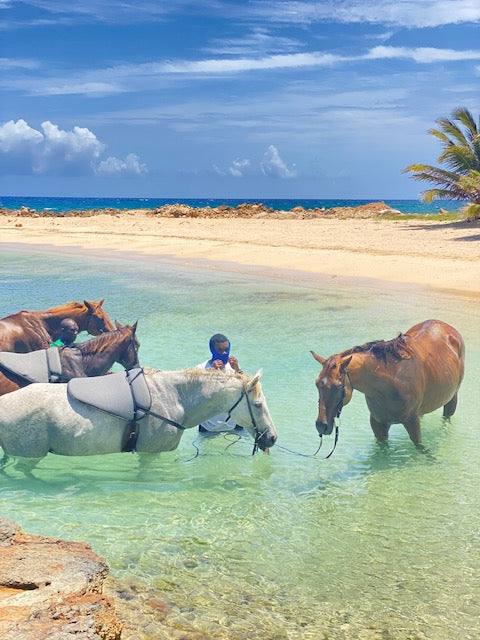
pixel 47 418
pixel 402 379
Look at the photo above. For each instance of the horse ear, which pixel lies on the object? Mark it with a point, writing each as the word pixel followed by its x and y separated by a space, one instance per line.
pixel 134 326
pixel 118 325
pixel 87 304
pixel 344 364
pixel 254 381
pixel 317 357
pixel 101 302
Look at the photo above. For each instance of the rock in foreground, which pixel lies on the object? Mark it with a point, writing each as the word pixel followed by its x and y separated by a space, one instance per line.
pixel 51 589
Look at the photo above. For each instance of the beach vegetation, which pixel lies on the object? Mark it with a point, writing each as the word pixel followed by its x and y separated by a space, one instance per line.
pixel 459 178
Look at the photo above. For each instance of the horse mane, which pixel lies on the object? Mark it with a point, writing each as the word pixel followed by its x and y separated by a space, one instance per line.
pixel 67 306
pixel 98 343
pixel 194 373
pixel 398 348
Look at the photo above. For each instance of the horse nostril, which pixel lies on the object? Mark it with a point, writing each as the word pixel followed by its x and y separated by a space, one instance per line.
pixel 321 427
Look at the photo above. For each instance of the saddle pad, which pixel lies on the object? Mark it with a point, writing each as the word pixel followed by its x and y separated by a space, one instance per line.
pixel 124 394
pixel 34 366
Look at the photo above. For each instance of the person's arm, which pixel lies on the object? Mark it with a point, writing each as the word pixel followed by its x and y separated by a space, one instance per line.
pixel 233 362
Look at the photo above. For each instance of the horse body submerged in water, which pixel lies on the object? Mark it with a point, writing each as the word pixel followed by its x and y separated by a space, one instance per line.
pixel 43 418
pixel 83 359
pixel 26 331
pixel 402 379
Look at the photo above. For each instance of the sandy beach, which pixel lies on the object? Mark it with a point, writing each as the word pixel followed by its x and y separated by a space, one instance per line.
pixel 439 255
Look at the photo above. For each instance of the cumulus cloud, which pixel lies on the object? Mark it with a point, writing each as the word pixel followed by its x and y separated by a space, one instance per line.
pixel 130 165
pixel 53 151
pixel 273 165
pixel 238 167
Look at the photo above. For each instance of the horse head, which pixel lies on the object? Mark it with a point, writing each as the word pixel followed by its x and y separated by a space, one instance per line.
pixel 259 422
pixel 333 390
pixel 96 321
pixel 129 358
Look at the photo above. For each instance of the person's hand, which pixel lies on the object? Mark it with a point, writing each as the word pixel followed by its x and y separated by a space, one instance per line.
pixel 234 363
pixel 217 364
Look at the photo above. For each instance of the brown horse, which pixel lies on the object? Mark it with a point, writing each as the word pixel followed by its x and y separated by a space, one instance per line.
pixel 90 358
pixel 31 330
pixel 402 379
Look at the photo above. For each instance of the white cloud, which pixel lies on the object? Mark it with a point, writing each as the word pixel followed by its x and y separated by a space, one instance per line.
pixel 137 77
pixel 18 63
pixel 131 166
pixel 238 167
pixel 53 151
pixel 398 13
pixel 273 165
pixel 423 55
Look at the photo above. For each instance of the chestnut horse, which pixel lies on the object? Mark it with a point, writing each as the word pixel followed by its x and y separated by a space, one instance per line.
pixel 90 358
pixel 402 379
pixel 31 330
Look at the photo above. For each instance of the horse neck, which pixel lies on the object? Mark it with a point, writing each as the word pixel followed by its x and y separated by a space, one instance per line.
pixel 74 310
pixel 366 373
pixel 196 395
pixel 100 353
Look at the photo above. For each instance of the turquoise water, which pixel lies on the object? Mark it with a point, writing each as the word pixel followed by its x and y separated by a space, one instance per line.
pixel 375 542
pixel 66 204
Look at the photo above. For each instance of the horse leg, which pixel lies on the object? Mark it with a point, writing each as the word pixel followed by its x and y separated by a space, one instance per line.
pixel 449 408
pixel 27 465
pixel 412 425
pixel 380 429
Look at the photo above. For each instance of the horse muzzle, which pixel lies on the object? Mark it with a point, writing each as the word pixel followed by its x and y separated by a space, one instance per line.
pixel 323 428
pixel 265 442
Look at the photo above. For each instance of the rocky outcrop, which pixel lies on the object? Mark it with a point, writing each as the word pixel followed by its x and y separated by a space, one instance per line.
pixel 245 210
pixel 51 589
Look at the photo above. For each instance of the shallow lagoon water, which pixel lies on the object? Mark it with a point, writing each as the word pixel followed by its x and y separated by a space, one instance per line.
pixel 375 542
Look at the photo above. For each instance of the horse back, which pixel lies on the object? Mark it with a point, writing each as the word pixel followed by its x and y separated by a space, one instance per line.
pixel 440 351
pixel 23 332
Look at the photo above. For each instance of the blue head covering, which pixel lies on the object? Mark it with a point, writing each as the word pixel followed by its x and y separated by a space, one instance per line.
pixel 218 337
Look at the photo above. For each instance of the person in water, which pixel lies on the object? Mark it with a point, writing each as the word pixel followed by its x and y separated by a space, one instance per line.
pixel 68 333
pixel 220 360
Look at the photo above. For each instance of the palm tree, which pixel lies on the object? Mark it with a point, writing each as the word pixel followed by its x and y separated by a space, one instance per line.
pixel 461 156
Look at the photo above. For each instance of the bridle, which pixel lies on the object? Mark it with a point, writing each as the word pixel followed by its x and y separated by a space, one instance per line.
pixel 132 435
pixel 336 419
pixel 89 318
pixel 132 344
pixel 258 434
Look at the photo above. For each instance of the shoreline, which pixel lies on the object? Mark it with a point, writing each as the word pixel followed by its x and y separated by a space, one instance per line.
pixel 436 255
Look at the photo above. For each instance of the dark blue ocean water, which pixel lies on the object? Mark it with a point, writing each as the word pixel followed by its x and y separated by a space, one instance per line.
pixel 66 204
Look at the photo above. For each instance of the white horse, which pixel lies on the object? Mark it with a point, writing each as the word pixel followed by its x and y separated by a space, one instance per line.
pixel 43 418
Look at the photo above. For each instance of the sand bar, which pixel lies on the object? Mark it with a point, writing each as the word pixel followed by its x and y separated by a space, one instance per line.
pixel 440 255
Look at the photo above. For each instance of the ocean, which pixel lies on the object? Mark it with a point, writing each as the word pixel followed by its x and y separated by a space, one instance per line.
pixel 69 204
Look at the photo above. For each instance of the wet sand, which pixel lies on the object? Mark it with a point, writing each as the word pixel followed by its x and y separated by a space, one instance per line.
pixel 439 255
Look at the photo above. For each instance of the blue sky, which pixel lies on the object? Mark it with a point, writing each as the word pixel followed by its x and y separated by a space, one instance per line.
pixel 241 99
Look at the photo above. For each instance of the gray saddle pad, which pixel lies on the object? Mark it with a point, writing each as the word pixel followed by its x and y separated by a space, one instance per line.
pixel 124 394
pixel 37 366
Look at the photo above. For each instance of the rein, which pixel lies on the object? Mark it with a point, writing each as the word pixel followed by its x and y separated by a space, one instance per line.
pixel 337 425
pixel 258 435
pixel 133 428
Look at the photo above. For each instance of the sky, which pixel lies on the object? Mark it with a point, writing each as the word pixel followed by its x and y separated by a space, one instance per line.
pixel 230 99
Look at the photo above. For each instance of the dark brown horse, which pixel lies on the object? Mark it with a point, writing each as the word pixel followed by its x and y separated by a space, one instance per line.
pixel 402 379
pixel 31 330
pixel 90 358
